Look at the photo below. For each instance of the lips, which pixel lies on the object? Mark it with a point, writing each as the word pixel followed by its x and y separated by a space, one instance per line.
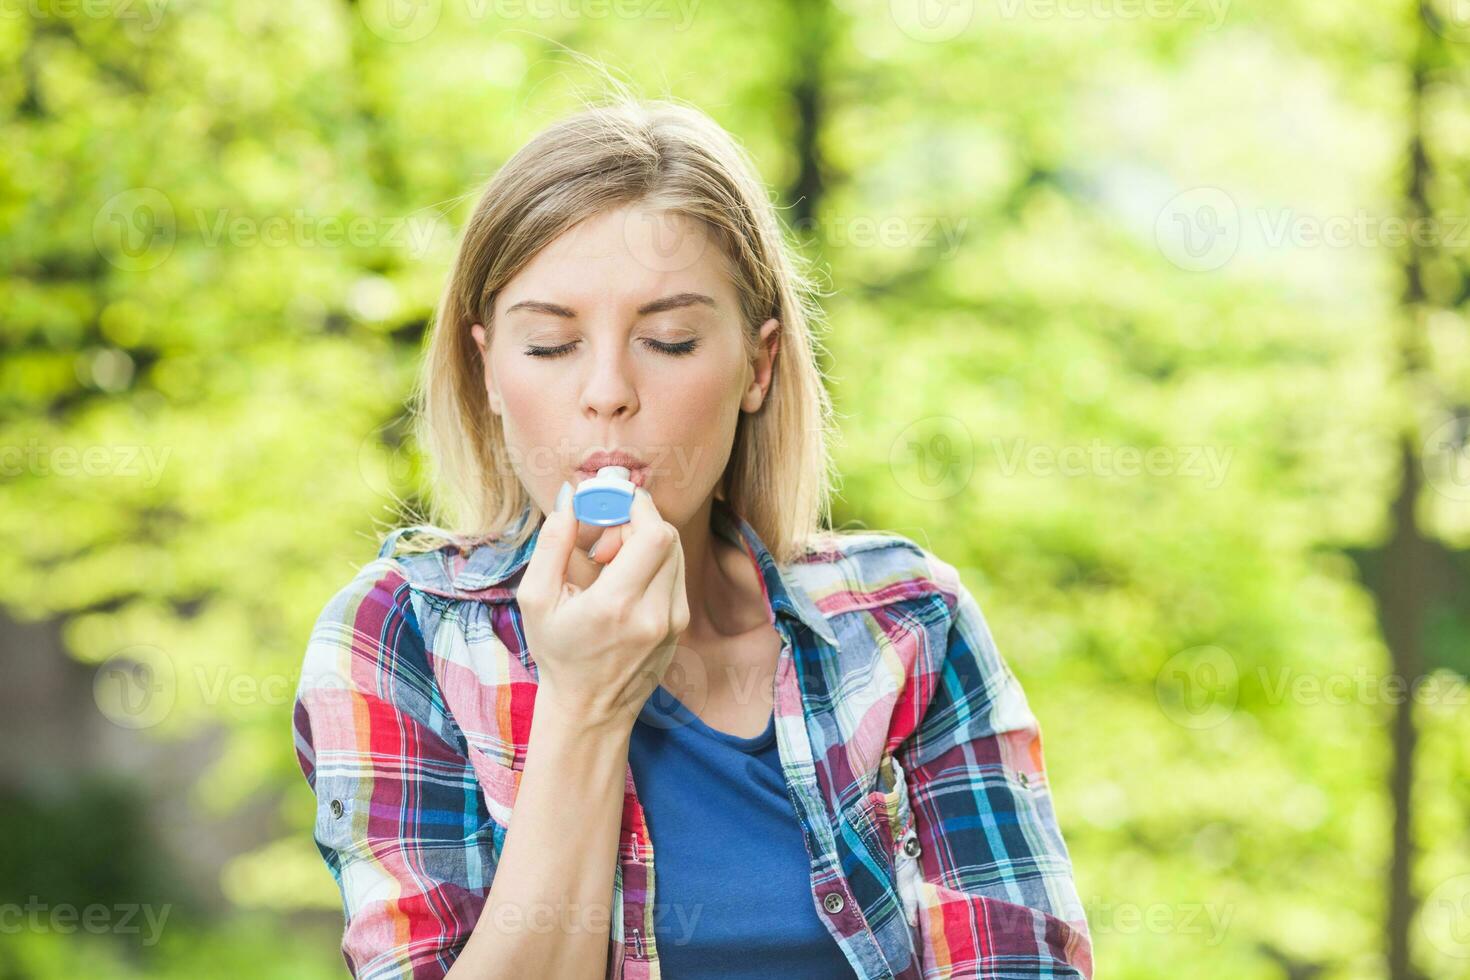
pixel 636 474
pixel 617 457
pixel 637 469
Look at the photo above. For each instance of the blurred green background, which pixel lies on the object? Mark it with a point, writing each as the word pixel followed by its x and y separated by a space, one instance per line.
pixel 1150 315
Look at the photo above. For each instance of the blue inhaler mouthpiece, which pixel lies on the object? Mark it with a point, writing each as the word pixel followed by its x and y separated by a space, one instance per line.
pixel 606 499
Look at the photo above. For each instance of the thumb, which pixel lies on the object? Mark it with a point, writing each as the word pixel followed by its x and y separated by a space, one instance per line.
pixel 546 573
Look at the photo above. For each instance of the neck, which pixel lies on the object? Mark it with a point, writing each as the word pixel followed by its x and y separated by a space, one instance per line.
pixel 721 581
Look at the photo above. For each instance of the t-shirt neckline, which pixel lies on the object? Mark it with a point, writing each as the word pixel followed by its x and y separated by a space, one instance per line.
pixel 663 710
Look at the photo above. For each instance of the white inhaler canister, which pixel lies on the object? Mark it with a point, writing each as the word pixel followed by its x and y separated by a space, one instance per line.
pixel 606 499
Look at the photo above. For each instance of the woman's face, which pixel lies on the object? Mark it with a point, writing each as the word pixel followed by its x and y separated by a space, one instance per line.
pixel 624 336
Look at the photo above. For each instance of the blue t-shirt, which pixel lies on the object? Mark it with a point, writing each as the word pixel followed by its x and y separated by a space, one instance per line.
pixel 732 878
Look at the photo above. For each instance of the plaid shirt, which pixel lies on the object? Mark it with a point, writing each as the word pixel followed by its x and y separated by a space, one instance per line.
pixel 913 760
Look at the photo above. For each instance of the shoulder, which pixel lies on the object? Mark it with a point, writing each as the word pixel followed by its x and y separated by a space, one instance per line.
pixel 367 669
pixel 868 569
pixel 375 597
pixel 368 641
pixel 429 558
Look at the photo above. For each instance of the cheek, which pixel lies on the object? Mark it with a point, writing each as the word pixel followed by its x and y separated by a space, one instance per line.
pixel 524 395
pixel 535 419
pixel 697 403
pixel 695 423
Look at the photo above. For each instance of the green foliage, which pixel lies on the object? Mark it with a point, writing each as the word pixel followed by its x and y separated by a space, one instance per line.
pixel 223 227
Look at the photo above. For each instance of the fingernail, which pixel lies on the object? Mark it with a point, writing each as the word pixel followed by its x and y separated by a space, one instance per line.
pixel 563 496
pixel 592 551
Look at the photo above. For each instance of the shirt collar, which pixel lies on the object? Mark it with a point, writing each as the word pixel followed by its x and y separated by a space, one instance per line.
pixel 492 564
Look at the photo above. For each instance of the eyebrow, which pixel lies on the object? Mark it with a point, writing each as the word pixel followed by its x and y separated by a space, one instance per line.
pixel 674 302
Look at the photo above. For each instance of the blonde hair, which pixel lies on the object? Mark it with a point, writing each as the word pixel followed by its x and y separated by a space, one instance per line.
pixel 659 154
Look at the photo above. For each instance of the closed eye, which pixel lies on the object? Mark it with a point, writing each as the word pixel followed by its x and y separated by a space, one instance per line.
pixel 676 350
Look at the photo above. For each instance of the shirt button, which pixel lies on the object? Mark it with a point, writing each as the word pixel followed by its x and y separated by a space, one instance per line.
pixel 833 902
pixel 336 808
pixel 911 847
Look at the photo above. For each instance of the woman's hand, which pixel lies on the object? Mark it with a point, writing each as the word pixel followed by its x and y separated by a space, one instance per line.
pixel 601 650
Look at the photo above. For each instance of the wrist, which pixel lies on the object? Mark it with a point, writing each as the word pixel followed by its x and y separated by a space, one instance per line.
pixel 579 718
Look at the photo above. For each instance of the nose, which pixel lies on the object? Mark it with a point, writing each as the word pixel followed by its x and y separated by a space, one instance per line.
pixel 609 390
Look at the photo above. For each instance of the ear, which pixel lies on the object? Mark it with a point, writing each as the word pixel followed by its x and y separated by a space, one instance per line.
pixel 763 366
pixel 482 341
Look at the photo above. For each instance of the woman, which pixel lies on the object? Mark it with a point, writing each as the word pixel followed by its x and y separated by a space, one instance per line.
pixel 511 722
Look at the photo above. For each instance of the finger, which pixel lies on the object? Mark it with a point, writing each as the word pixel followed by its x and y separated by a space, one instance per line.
pixel 608 544
pixel 628 577
pixel 661 588
pixel 641 512
pixel 611 541
pixel 679 600
pixel 582 569
pixel 546 572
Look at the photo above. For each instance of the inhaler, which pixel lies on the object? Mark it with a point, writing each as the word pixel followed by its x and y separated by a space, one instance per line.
pixel 606 499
